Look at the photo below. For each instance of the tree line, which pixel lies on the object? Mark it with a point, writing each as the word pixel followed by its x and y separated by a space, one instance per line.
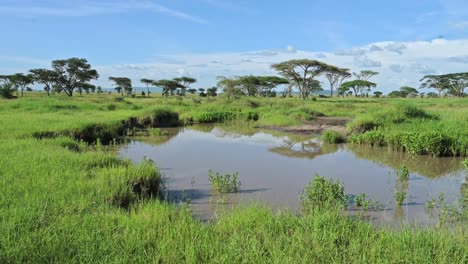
pixel 75 75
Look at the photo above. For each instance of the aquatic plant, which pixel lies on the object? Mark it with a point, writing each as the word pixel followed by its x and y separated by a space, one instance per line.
pixel 322 194
pixel 403 173
pixel 227 183
pixel 400 197
pixel 157 132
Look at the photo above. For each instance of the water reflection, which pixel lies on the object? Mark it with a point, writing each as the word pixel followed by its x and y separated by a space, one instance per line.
pixel 275 166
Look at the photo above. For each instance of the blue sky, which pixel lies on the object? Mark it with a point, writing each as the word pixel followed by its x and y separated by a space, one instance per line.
pixel 207 38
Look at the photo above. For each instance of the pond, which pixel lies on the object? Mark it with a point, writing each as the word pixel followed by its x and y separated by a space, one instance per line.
pixel 274 167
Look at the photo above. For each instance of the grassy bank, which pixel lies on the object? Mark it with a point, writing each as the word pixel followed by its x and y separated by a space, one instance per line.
pixel 63 200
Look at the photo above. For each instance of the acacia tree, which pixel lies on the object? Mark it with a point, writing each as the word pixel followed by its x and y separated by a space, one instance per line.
pixel 336 76
pixel 438 82
pixel 364 76
pixel 301 73
pixel 407 90
pixel 122 84
pixel 268 83
pixel 46 77
pixel 251 85
pixel 21 82
pixel 147 82
pixel 168 86
pixel 73 73
pixel 185 83
pixel 356 86
pixel 457 83
pixel 231 87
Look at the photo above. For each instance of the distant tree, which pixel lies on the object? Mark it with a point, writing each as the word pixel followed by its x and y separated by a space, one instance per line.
pixel 457 83
pixel 395 94
pixel 231 87
pixel 185 83
pixel 192 91
pixel 73 73
pixel 268 83
pixel 21 82
pixel 438 82
pixel 99 90
pixel 168 86
pixel 408 91
pixel 301 73
pixel 432 95
pixel 122 84
pixel 147 82
pixel 343 90
pixel 48 78
pixel 212 91
pixel 364 76
pixel 357 86
pixel 336 76
pixel 377 94
pixel 202 92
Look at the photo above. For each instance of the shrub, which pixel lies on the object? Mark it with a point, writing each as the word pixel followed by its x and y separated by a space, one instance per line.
pixel 322 194
pixel 400 197
pixel 164 118
pixel 332 137
pixel 224 183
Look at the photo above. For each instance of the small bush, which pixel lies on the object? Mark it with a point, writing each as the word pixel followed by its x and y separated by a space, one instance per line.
pixel 322 194
pixel 332 137
pixel 161 118
pixel 224 183
pixel 400 197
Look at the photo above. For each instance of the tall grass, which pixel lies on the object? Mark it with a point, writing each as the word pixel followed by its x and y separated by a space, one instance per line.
pixel 63 200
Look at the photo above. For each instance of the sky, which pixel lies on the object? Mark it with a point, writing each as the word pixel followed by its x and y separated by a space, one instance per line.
pixel 158 39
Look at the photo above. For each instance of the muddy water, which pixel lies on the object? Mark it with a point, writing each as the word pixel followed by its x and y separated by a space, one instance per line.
pixel 274 167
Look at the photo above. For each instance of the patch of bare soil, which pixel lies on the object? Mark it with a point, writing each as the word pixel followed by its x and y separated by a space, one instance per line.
pixel 316 126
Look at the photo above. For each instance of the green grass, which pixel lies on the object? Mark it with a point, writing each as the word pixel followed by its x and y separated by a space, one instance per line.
pixel 64 200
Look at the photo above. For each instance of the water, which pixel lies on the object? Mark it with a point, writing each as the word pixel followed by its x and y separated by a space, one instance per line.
pixel 274 168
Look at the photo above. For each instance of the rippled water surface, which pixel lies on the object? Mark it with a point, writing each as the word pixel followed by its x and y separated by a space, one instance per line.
pixel 274 168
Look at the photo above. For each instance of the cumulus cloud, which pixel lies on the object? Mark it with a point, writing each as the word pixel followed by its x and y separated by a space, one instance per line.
pixel 365 62
pixel 374 48
pixel 351 52
pixel 399 63
pixel 395 47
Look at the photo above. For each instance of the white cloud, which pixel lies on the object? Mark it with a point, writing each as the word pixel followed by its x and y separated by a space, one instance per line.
pixel 92 8
pixel 366 62
pixel 416 59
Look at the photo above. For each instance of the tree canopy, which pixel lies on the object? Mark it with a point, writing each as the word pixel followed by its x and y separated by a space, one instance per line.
pixel 73 73
pixel 452 83
pixel 336 76
pixel 168 86
pixel 46 77
pixel 122 84
pixel 302 73
pixel 357 85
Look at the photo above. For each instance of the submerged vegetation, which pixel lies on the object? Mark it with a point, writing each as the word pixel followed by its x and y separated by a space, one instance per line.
pixel 66 197
pixel 227 183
